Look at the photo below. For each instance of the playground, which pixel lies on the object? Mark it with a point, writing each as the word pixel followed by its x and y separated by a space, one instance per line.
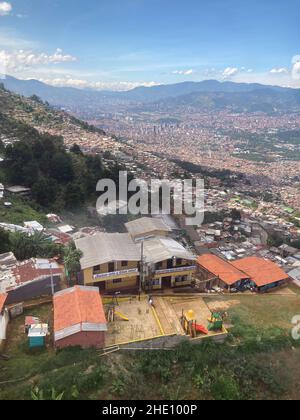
pixel 194 311
pixel 265 316
pixel 131 320
pixel 134 320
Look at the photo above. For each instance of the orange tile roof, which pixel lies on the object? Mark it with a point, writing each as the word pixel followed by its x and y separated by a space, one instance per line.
pixel 260 270
pixel 76 306
pixel 3 297
pixel 222 269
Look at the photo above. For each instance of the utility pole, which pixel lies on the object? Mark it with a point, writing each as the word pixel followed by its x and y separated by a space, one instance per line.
pixel 142 270
pixel 52 282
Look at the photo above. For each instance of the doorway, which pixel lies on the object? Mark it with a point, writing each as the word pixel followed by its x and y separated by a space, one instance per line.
pixel 167 282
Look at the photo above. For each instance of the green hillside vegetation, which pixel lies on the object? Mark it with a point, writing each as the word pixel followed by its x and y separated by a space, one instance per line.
pixel 21 210
pixel 259 361
pixel 25 247
pixel 59 179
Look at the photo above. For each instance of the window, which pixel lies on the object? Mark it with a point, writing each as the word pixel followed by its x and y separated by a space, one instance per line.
pixel 155 282
pixel 111 267
pixel 158 266
pixel 170 263
pixel 181 279
pixel 117 281
pixel 179 261
pixel 124 263
pixel 97 268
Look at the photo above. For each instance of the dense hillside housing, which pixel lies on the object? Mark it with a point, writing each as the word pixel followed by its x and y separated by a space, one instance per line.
pixel 28 279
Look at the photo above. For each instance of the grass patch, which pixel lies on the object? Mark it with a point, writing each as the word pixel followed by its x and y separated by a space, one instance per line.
pixel 259 361
pixel 21 211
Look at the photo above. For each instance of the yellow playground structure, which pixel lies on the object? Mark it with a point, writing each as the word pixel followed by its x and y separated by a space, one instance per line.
pixel 190 326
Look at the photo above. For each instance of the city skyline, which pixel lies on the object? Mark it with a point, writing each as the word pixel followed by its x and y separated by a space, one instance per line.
pixel 123 44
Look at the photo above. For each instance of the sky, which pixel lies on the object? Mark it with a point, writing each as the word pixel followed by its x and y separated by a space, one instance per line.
pixel 121 44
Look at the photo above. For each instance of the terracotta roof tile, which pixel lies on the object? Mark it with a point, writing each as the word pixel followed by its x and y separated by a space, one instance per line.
pixel 222 269
pixel 3 297
pixel 260 270
pixel 77 305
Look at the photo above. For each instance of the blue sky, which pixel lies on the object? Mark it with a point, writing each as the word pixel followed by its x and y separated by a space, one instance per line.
pixel 119 44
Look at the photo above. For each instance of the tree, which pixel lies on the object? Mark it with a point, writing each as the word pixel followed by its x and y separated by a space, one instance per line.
pixel 236 214
pixel 72 257
pixel 4 241
pixel 76 149
pixel 20 165
pixel 36 99
pixel 61 168
pixel 74 196
pixel 38 395
pixel 2 146
pixel 44 191
pixel 37 245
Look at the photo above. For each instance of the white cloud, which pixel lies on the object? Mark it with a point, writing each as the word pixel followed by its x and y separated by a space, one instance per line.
pixel 280 70
pixel 85 84
pixel 229 72
pixel 5 8
pixel 296 67
pixel 184 72
pixel 21 60
pixel 296 71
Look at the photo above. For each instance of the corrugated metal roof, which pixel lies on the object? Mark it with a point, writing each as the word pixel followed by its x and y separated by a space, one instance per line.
pixel 161 249
pixel 107 247
pixel 146 225
pixel 295 274
pixel 7 260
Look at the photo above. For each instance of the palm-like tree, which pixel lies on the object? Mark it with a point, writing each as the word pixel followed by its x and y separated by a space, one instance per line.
pixel 72 258
pixel 38 395
pixel 25 246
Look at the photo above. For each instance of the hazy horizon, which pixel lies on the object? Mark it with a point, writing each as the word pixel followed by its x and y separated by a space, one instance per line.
pixel 148 87
pixel 123 44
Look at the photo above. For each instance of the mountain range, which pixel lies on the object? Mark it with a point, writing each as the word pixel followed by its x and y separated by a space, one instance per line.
pixel 206 95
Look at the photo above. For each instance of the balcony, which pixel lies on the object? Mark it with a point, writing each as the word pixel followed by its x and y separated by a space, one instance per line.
pixel 116 274
pixel 176 270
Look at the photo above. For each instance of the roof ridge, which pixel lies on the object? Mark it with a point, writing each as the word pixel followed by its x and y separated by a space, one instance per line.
pixel 77 290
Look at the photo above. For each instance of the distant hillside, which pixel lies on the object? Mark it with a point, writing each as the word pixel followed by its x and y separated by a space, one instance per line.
pixel 206 95
pixel 58 96
pixel 158 93
pixel 34 112
pixel 267 101
pixel 35 155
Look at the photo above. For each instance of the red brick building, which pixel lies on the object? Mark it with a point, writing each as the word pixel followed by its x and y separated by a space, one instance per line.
pixel 79 318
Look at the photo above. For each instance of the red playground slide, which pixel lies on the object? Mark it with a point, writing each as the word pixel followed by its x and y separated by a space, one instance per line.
pixel 201 329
